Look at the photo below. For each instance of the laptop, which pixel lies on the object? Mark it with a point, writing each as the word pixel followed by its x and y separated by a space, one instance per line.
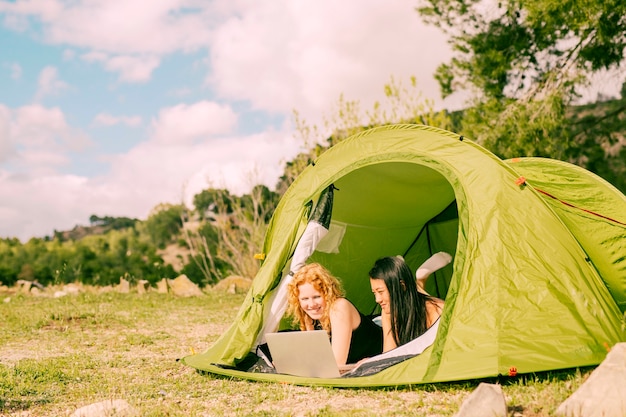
pixel 303 353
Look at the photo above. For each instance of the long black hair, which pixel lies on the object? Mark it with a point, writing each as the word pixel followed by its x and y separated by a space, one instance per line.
pixel 407 305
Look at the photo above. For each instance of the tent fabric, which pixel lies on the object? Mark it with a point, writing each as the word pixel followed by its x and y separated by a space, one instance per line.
pixel 535 284
pixel 315 231
pixel 591 209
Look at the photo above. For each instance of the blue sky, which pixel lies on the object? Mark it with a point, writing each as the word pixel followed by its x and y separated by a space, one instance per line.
pixel 111 107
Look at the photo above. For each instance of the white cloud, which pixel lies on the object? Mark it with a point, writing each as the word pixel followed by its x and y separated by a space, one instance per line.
pixel 140 179
pixel 186 123
pixel 119 26
pixel 105 119
pixel 132 35
pixel 49 83
pixel 7 145
pixel 132 69
pixel 159 173
pixel 36 139
pixel 281 55
pixel 63 198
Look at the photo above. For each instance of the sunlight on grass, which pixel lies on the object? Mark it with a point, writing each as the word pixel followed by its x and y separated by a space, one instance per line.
pixel 61 354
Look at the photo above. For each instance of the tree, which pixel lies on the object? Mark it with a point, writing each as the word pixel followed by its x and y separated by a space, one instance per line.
pixel 212 200
pixel 510 47
pixel 164 223
pixel 524 63
pixel 227 244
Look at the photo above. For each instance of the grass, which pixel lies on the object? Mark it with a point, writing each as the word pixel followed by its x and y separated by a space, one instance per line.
pixel 59 354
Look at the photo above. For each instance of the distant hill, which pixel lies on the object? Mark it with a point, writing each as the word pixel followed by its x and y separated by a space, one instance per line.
pixel 99 226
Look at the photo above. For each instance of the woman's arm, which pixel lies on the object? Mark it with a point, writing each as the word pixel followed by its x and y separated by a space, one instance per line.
pixel 388 340
pixel 344 318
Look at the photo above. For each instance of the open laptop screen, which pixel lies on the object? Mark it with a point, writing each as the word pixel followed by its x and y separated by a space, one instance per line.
pixel 303 353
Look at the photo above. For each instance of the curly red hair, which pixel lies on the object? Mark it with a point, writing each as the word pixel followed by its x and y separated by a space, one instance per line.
pixel 323 282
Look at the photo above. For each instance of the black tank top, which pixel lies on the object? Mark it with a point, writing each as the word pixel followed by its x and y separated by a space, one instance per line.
pixel 367 340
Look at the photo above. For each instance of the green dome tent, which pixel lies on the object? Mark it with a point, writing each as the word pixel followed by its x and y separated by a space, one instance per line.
pixel 538 278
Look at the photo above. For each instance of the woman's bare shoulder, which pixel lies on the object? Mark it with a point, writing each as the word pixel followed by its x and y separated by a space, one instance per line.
pixel 343 305
pixel 436 303
pixel 345 309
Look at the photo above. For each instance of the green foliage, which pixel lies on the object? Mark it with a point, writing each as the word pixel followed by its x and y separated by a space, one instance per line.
pixel 95 259
pixel 232 234
pixel 164 223
pixel 205 266
pixel 509 46
pixel 598 133
pixel 261 202
pixel 213 200
pixel 510 128
pixel 524 62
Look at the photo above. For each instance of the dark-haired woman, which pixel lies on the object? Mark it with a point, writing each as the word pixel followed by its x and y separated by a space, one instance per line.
pixel 406 313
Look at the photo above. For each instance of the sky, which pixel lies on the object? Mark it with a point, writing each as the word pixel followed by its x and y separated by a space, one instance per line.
pixel 112 107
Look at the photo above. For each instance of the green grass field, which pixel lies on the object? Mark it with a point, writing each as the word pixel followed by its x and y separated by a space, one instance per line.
pixel 59 354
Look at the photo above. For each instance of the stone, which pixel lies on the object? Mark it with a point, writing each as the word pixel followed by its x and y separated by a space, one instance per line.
pixel 23 285
pixel 108 408
pixel 162 286
pixel 71 288
pixel 37 284
pixel 485 400
pixel 184 287
pixel 233 284
pixel 604 392
pixel 124 286
pixel 142 286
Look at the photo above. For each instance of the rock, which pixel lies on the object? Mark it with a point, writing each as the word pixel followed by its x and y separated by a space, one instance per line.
pixel 486 400
pixel 162 286
pixel 124 286
pixel 142 286
pixel 36 284
pixel 108 408
pixel 23 286
pixel 59 294
pixel 7 300
pixel 184 287
pixel 233 284
pixel 105 289
pixel 604 392
pixel 71 288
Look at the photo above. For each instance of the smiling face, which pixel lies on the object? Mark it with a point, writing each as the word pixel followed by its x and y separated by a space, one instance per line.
pixel 381 294
pixel 311 301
